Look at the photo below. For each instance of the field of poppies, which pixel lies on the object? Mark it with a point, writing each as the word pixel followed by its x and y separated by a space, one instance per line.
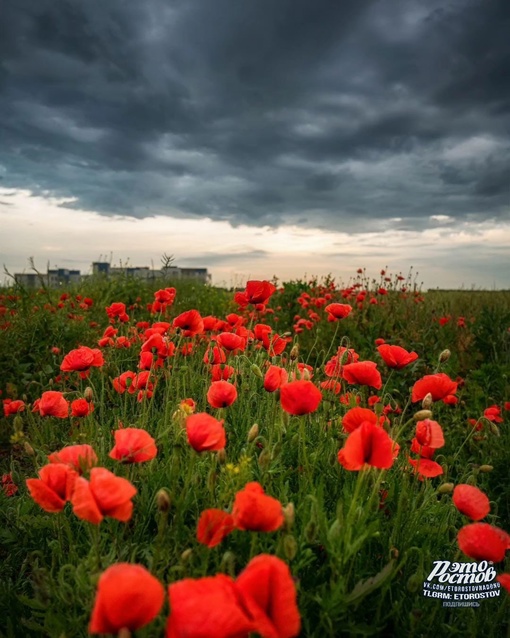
pixel 298 459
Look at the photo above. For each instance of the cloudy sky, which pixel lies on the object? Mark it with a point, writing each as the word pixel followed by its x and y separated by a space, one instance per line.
pixel 258 137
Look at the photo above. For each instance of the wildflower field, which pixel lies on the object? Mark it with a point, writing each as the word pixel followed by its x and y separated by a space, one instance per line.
pixel 297 459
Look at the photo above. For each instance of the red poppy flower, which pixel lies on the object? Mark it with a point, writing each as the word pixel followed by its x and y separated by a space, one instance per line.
pixel 52 403
pixel 275 344
pixel 256 292
pixel 425 468
pixel 300 397
pixel 338 311
pixel 13 407
pixel 230 341
pixel 205 433
pixel 81 407
pixel 367 445
pixel 9 487
pixel 81 360
pixel 214 356
pixel 124 381
pixel 354 417
pixel 221 373
pixel 425 451
pixel 268 594
pixel 504 579
pixel 471 501
pixel 482 541
pixel 104 495
pixel 439 385
pixel 362 373
pixel 331 385
pixel 133 445
pixel 207 607
pixel 395 356
pixel 253 510
pixel 221 394
pixel 127 596
pixel 117 309
pixel 213 526
pixel 53 487
pixel 274 378
pixel 429 433
pixel 190 322
pixel 493 413
pixel 79 457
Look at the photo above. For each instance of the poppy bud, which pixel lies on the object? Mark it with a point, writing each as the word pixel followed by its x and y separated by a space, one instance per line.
pixel 221 455
pixel 186 555
pixel 485 468
pixel 310 531
pixel 427 401
pixel 294 352
pixel 394 553
pixel 305 375
pixel 290 547
pixel 378 408
pixel 494 429
pixel 228 563
pixel 445 488
pixel 88 394
pixel 414 583
pixel 253 432
pixel 29 449
pixel 289 514
pixel 257 371
pixel 17 422
pixel 444 356
pixel 264 459
pixel 163 500
pixel 421 415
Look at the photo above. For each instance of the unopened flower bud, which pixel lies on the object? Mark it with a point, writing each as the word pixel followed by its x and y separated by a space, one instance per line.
pixel 186 555
pixel 421 415
pixel 290 547
pixel 221 455
pixel 228 563
pixel 17 422
pixel 444 356
pixel 257 371
pixel 289 514
pixel 264 459
pixel 494 429
pixel 305 375
pixel 28 449
pixel 88 394
pixel 294 352
pixel 414 582
pixel 445 488
pixel 310 531
pixel 253 432
pixel 163 500
pixel 394 553
pixel 427 402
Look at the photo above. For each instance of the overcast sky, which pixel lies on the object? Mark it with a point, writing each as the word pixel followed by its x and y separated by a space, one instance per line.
pixel 258 137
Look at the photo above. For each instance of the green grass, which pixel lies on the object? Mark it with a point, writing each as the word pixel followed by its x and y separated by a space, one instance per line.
pixel 359 564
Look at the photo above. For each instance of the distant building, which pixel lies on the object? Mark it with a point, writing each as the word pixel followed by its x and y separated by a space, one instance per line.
pixel 54 278
pixel 145 273
pixel 57 277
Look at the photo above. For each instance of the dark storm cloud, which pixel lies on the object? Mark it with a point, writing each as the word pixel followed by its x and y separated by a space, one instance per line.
pixel 328 114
